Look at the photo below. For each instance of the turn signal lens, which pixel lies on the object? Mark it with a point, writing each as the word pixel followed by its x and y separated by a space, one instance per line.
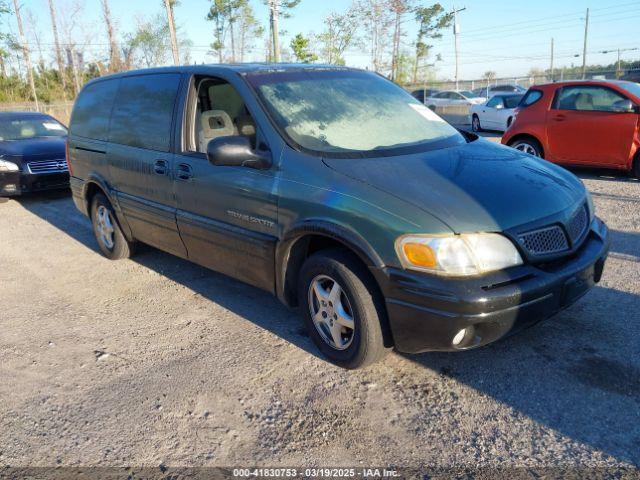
pixel 420 254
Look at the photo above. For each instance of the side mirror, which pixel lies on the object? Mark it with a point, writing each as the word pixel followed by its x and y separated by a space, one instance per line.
pixel 625 106
pixel 236 151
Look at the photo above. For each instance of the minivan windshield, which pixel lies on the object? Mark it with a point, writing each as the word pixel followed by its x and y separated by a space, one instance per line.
pixel 346 112
pixel 23 128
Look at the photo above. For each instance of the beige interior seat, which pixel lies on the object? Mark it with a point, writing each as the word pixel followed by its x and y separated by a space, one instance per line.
pixel 214 124
pixel 584 101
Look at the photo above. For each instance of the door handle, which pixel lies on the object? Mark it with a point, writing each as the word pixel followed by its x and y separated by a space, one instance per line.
pixel 160 167
pixel 184 171
pixel 559 118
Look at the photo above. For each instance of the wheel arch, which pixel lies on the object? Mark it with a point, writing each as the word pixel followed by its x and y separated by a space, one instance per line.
pixel 306 239
pixel 97 184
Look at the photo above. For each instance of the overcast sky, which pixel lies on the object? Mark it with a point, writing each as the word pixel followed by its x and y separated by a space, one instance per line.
pixel 508 36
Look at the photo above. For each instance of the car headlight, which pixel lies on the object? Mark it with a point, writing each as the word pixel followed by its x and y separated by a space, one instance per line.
pixel 6 166
pixel 466 254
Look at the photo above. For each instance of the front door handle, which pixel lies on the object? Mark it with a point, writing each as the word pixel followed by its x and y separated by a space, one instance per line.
pixel 559 118
pixel 160 167
pixel 184 171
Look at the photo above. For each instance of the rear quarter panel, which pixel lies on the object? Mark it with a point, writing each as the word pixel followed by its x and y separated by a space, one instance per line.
pixel 532 120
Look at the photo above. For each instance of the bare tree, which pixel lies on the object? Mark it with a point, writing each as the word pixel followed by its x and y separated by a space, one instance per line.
pixel 339 34
pixel 32 23
pixel 73 27
pixel 56 40
pixel 399 8
pixel 249 29
pixel 377 21
pixel 114 50
pixel 169 4
pixel 25 53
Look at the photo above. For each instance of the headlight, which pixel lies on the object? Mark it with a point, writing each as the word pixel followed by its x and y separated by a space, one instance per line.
pixel 6 166
pixel 467 254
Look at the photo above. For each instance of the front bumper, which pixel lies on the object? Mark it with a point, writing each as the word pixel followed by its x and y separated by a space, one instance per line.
pixel 17 183
pixel 426 311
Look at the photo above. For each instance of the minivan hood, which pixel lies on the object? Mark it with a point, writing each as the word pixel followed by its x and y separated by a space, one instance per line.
pixel 478 186
pixel 33 148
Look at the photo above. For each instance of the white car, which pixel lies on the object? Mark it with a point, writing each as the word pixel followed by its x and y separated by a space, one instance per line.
pixel 494 114
pixel 451 98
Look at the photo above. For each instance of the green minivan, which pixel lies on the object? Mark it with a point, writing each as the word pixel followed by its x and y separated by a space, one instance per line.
pixel 340 193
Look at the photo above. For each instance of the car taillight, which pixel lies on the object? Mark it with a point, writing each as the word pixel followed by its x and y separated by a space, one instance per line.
pixel 68 157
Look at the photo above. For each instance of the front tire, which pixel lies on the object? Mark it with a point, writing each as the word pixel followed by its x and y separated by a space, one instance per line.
pixel 528 145
pixel 107 231
pixel 635 171
pixel 475 123
pixel 342 308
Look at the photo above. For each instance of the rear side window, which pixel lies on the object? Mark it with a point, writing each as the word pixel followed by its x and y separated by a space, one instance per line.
pixel 531 97
pixel 92 109
pixel 144 111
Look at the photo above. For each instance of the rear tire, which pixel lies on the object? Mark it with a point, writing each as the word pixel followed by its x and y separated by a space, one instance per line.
pixel 528 145
pixel 112 242
pixel 336 293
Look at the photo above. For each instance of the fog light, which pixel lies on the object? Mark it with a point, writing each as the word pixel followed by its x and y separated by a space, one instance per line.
pixel 10 188
pixel 463 336
pixel 457 340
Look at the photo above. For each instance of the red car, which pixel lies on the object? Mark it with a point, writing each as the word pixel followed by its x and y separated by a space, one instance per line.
pixel 589 123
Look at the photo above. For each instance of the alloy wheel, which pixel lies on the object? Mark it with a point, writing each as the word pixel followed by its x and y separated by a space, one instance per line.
pixel 527 148
pixel 331 312
pixel 104 226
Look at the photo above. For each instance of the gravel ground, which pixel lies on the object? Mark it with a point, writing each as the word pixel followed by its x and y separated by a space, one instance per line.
pixel 155 361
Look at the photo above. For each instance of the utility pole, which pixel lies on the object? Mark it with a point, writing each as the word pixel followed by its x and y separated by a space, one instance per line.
pixel 456 32
pixel 25 52
pixel 551 68
pixel 56 41
pixel 273 8
pixel 172 31
pixel 584 49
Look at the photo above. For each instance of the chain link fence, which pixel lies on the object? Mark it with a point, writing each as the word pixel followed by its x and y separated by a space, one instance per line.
pixel 559 75
pixel 61 111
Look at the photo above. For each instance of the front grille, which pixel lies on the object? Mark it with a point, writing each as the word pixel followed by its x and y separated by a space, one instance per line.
pixel 544 241
pixel 578 224
pixel 58 165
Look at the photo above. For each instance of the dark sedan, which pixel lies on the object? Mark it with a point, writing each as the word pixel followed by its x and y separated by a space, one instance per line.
pixel 32 153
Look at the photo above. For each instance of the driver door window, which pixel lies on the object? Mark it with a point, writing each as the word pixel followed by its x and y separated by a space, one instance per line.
pixel 494 102
pixel 218 111
pixel 589 98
